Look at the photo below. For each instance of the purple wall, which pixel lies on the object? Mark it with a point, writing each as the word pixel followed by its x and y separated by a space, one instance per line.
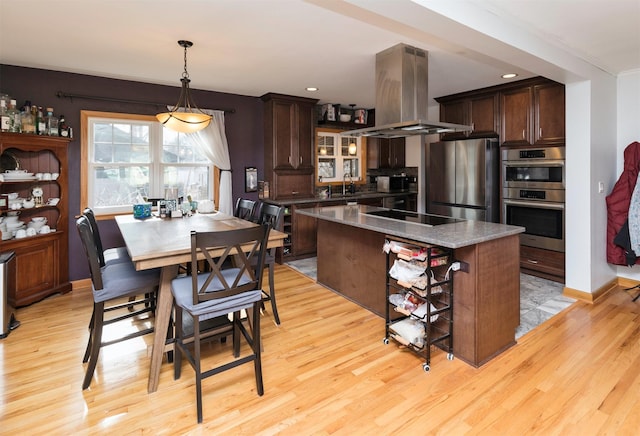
pixel 244 129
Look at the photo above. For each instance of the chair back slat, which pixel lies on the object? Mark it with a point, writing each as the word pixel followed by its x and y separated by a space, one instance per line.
pixel 272 214
pixel 83 224
pixel 244 249
pixel 244 209
pixel 88 212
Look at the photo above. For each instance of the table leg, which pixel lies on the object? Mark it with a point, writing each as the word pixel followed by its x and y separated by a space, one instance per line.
pixel 162 318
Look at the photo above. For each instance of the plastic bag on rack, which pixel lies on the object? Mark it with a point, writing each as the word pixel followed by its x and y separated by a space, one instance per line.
pixel 410 330
pixel 408 303
pixel 406 271
pixel 421 284
pixel 421 312
pixel 412 274
pixel 397 299
pixel 405 251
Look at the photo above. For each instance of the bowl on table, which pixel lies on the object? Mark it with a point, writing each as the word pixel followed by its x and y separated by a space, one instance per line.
pixel 142 210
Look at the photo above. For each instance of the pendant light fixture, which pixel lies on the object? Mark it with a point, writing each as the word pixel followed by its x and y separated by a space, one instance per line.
pixel 353 148
pixel 185 116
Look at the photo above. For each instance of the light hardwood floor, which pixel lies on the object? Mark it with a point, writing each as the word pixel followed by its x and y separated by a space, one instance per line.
pixel 326 371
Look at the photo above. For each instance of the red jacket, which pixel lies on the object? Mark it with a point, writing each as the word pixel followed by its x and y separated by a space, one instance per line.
pixel 618 202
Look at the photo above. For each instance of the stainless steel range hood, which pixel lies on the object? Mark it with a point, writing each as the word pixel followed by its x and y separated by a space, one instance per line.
pixel 402 78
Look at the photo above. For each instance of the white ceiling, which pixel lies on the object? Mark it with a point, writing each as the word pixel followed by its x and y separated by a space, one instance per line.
pixel 251 47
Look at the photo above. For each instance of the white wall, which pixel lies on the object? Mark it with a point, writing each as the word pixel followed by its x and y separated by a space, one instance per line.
pixel 628 128
pixel 577 203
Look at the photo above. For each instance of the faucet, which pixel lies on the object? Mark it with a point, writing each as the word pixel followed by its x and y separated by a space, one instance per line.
pixel 344 184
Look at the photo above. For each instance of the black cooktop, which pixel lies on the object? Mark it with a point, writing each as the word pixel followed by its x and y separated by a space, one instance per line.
pixel 419 218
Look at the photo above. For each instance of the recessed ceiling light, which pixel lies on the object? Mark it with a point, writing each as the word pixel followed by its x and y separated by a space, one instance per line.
pixel 509 75
pixel 311 89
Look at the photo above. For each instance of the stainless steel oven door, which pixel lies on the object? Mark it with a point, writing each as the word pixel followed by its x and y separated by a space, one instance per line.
pixel 543 221
pixel 547 174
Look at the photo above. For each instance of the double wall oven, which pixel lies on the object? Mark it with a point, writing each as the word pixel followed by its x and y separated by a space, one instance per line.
pixel 534 195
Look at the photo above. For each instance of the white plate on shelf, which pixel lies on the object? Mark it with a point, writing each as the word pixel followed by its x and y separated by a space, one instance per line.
pixel 18 174
pixel 18 179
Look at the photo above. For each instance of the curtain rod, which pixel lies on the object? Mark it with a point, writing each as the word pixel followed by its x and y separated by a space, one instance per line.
pixel 61 94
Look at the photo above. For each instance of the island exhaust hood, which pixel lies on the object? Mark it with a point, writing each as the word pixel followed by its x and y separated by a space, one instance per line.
pixel 402 96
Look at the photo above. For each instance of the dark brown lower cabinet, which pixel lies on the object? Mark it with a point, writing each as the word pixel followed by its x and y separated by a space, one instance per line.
pixel 542 263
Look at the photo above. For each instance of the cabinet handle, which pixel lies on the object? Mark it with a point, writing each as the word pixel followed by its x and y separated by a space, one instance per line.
pixel 300 160
pixel 523 137
pixel 532 261
pixel 294 192
pixel 290 163
pixel 540 134
pixel 473 126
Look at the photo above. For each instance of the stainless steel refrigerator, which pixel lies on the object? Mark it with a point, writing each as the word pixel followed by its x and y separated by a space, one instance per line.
pixel 463 179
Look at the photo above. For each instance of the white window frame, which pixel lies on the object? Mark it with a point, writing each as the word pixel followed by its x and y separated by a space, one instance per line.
pixel 337 155
pixel 156 166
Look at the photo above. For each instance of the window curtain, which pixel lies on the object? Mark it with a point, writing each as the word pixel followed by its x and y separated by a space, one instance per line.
pixel 213 142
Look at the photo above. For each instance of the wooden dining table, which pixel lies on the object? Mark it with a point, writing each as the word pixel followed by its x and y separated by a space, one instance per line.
pixel 166 243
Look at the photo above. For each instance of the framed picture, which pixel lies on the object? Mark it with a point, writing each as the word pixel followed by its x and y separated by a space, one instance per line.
pixel 250 179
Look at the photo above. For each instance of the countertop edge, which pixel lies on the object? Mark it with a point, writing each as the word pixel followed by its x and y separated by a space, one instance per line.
pixel 456 235
pixel 346 198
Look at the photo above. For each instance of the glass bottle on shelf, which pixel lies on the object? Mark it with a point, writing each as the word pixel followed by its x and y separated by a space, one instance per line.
pixel 34 117
pixel 41 125
pixel 5 124
pixel 52 123
pixel 63 129
pixel 26 119
pixel 14 117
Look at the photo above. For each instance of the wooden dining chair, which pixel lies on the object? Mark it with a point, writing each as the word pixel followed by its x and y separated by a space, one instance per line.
pixel 222 291
pixel 271 214
pixel 244 209
pixel 112 285
pixel 110 255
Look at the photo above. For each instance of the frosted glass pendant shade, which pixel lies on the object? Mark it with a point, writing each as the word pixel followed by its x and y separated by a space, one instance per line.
pixel 184 122
pixel 185 117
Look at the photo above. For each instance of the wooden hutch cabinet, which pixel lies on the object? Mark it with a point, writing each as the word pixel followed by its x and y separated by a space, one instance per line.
pixel 289 145
pixel 42 264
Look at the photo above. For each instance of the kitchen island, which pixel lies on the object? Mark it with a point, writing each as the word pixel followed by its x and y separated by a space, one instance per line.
pixel 486 296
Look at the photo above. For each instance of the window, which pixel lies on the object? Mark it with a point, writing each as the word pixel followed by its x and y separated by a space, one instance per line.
pixel 126 156
pixel 337 156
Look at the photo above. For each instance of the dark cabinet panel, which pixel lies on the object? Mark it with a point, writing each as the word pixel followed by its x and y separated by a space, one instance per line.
pixel 288 144
pixel 304 233
pixel 515 120
pixel 480 112
pixel 292 184
pixel 549 114
pixel 543 263
pixel 523 113
pixel 484 116
pixel 386 153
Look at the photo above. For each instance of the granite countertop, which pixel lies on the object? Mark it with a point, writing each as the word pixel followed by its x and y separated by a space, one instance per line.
pixel 338 198
pixel 455 235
